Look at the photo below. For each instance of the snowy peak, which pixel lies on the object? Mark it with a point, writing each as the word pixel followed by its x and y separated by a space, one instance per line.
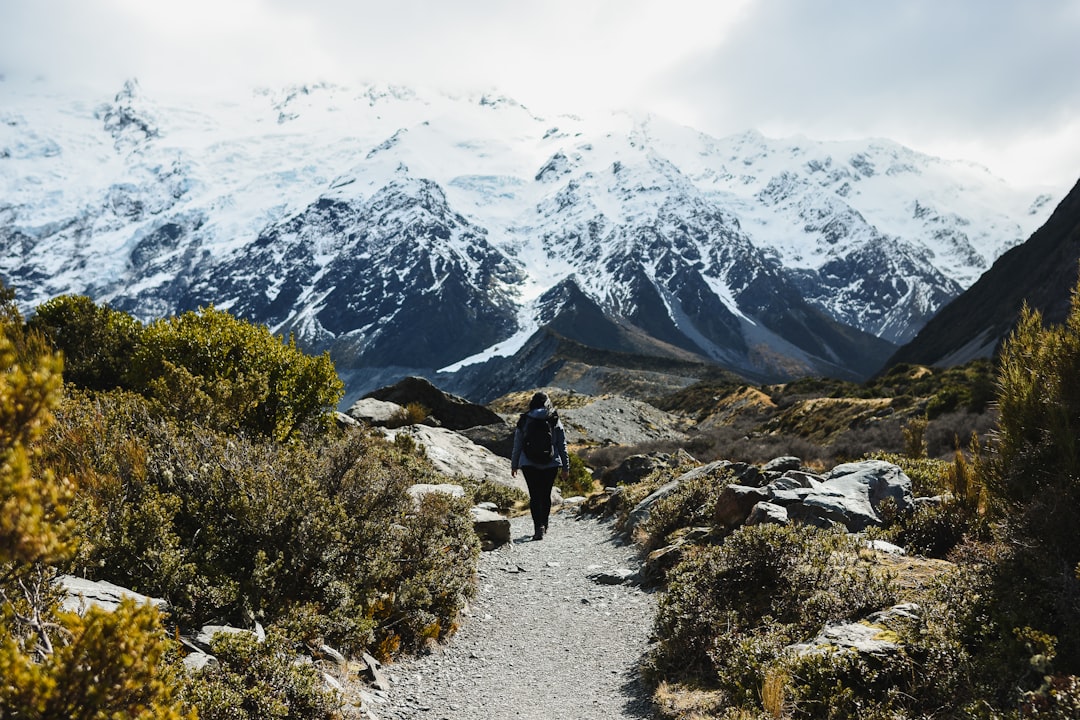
pixel 414 229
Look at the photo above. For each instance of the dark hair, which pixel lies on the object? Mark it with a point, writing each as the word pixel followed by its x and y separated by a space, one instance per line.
pixel 539 400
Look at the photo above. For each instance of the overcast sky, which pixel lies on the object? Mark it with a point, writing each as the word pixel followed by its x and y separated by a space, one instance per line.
pixel 994 81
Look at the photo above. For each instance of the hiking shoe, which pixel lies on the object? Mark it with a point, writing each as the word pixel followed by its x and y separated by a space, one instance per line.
pixel 539 533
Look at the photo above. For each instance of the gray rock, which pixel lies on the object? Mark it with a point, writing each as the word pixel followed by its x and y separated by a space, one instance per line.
pixel 621 421
pixel 618 576
pixel 81 594
pixel 735 503
pixel 453 454
pixel 803 479
pixel 452 412
pixel 851 510
pixel 198 661
pixel 782 464
pixel 344 421
pixel 885 547
pixel 497 437
pixel 767 513
pixel 791 497
pixel 374 412
pixel 852 493
pixel 874 636
pixel 419 490
pixel 857 637
pixel 877 478
pixel 492 528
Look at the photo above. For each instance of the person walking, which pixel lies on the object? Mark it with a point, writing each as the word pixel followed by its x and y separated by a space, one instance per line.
pixel 540 452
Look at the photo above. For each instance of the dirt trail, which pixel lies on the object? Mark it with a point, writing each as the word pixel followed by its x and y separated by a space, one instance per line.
pixel 542 640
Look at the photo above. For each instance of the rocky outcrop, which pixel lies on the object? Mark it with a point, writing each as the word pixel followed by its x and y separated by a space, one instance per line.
pixel 452 412
pixel 852 495
pixel 453 454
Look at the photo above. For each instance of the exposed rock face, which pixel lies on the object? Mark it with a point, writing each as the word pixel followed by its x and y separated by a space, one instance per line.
pixel 452 412
pixel 497 437
pixel 453 454
pixel 80 594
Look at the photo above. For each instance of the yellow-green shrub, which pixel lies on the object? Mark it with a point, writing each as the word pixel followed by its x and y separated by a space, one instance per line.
pixel 96 341
pixel 55 664
pixel 243 528
pixel 212 368
pixel 731 609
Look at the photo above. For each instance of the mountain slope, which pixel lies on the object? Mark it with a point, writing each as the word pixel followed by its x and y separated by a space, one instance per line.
pixel 419 231
pixel 1042 272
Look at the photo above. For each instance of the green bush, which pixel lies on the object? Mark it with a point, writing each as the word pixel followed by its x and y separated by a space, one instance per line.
pixel 245 528
pixel 212 368
pixel 1033 479
pixel 97 342
pixel 259 681
pixel 505 497
pixel 691 504
pixel 731 609
pixel 580 480
pixel 56 664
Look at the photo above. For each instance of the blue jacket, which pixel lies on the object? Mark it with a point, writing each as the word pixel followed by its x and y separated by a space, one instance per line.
pixel 558 439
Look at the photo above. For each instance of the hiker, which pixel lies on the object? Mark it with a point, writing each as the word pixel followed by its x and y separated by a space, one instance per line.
pixel 539 451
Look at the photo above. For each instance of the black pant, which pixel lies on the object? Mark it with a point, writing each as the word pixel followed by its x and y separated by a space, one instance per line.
pixel 540 482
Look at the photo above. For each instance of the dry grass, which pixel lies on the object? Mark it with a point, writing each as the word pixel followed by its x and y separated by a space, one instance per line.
pixel 681 702
pixel 823 419
pixel 773 693
pixel 518 402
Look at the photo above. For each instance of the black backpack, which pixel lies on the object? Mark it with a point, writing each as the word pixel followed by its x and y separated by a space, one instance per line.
pixel 536 438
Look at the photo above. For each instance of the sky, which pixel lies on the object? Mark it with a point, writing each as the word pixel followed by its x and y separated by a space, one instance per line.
pixel 992 81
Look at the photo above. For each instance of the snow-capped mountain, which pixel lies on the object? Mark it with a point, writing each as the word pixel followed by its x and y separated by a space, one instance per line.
pixel 423 231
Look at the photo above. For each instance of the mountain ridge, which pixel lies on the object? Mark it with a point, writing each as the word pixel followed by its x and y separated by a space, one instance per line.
pixel 425 231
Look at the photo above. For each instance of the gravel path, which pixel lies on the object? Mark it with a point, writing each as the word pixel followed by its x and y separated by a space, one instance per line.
pixel 542 639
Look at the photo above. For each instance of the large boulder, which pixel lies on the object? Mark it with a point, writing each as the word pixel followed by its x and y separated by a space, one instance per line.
pixel 878 479
pixel 452 412
pixel 375 412
pixel 454 454
pixel 852 494
pixel 497 437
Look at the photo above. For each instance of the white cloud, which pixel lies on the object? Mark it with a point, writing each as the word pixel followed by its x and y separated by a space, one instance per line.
pixel 990 76
pixel 988 80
